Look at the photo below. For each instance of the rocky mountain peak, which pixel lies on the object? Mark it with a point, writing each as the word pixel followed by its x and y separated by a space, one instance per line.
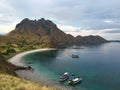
pixel 46 23
pixel 42 20
pixel 26 24
pixel 79 36
pixel 26 20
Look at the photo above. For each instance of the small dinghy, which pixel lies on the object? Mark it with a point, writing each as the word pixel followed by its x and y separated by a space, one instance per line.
pixel 64 77
pixel 75 81
pixel 75 56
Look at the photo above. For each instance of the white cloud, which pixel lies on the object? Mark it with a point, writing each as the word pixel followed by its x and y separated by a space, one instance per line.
pixel 8 17
pixel 83 32
pixel 7 13
pixel 108 21
pixel 68 28
pixel 110 36
pixel 7 28
pixel 75 31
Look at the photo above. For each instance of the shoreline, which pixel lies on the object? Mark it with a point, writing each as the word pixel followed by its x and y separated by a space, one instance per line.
pixel 29 74
pixel 16 60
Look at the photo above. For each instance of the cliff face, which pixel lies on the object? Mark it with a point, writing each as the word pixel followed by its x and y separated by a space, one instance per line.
pixel 45 31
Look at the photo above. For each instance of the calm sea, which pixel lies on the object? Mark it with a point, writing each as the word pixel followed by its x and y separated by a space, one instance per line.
pixel 98 65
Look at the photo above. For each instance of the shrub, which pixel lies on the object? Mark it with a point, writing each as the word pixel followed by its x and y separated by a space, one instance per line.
pixel 5 53
pixel 10 50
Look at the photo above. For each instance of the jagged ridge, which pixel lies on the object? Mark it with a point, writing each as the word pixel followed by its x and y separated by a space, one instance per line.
pixel 45 31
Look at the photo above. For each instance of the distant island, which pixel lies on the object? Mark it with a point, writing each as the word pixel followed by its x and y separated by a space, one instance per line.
pixel 114 41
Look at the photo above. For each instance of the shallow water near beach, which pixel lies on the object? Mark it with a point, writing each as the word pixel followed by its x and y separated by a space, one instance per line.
pixel 98 65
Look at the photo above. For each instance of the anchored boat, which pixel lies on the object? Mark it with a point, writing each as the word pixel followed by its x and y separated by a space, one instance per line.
pixel 75 56
pixel 75 81
pixel 64 77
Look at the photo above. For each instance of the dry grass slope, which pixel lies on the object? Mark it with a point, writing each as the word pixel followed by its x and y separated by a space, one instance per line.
pixel 8 82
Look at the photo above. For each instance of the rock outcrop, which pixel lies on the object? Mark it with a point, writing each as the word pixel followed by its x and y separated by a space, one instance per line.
pixel 5 67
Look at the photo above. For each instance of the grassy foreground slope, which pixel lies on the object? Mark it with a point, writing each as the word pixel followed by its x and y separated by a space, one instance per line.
pixel 8 82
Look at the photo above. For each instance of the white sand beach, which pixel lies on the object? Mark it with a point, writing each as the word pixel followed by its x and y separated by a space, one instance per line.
pixel 29 74
pixel 16 60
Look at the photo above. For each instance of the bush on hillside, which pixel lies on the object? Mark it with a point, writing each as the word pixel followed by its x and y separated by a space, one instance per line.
pixel 11 50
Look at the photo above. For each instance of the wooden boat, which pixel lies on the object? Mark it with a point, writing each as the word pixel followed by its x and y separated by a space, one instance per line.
pixel 75 56
pixel 75 81
pixel 64 77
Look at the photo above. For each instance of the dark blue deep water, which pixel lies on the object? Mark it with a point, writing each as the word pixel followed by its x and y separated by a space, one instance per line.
pixel 99 66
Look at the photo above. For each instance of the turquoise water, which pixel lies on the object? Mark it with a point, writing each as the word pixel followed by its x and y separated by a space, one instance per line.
pixel 99 66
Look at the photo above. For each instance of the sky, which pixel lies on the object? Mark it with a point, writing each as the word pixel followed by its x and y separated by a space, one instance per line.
pixel 76 17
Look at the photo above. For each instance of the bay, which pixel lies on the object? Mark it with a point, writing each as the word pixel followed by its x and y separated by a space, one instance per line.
pixel 98 65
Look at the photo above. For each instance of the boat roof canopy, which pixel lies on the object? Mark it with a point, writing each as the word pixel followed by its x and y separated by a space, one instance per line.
pixel 76 79
pixel 66 73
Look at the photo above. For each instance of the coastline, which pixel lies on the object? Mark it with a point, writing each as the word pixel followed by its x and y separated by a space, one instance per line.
pixel 29 74
pixel 16 60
